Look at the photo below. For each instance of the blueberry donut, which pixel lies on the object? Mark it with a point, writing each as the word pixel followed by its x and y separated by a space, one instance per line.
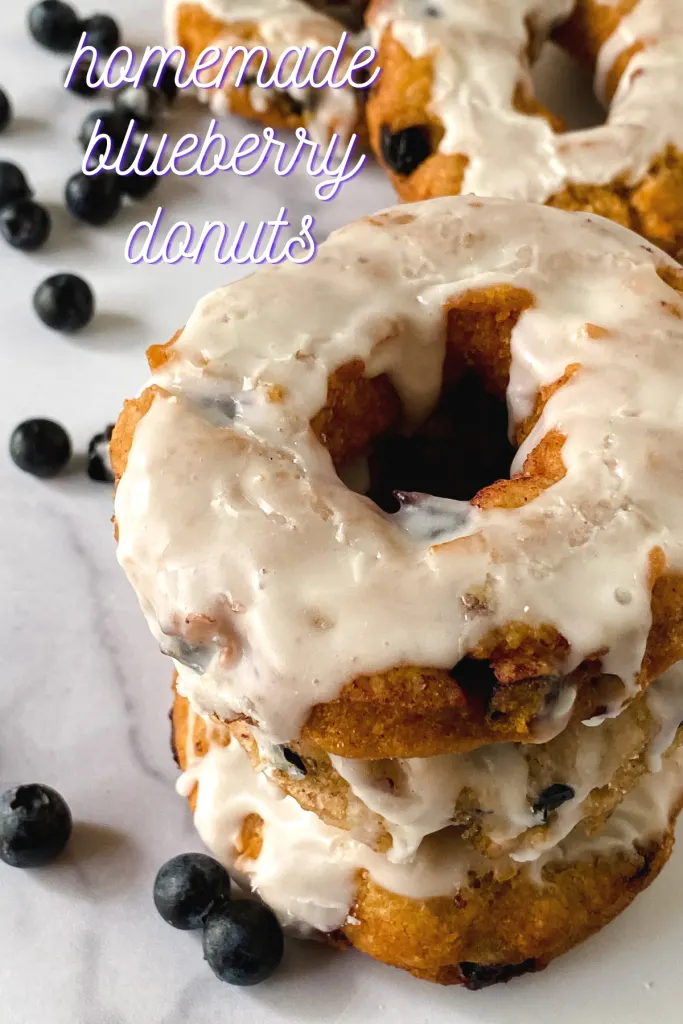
pixel 449 914
pixel 256 476
pixel 454 109
pixel 275 25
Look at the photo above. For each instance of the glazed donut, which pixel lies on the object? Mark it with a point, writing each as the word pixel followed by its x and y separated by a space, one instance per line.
pixel 454 109
pixel 276 25
pixel 289 600
pixel 513 799
pixel 448 915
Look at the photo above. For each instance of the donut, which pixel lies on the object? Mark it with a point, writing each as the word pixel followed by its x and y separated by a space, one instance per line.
pixel 275 25
pixel 512 799
pixel 454 109
pixel 449 914
pixel 291 601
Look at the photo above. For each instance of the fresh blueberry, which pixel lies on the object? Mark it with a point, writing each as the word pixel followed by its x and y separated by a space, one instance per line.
pixel 552 798
pixel 138 185
pixel 64 302
pixel 35 825
pixel 187 887
pixel 5 110
pixel 243 942
pixel 79 83
pixel 166 83
pixel 478 976
pixel 25 224
pixel 13 183
pixel 54 25
pixel 94 198
pixel 405 150
pixel 103 33
pixel 143 105
pixel 111 124
pixel 41 448
pixel 298 764
pixel 99 459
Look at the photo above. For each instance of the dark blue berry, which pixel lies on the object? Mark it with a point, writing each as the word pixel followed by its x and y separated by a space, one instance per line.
pixel 93 198
pixel 54 25
pixel 99 459
pixel 25 224
pixel 143 105
pixel 111 124
pixel 78 83
pixel 64 302
pixel 166 82
pixel 138 185
pixel 243 942
pixel 5 110
pixel 188 887
pixel 103 33
pixel 35 825
pixel 13 183
pixel 405 150
pixel 297 763
pixel 476 976
pixel 40 447
pixel 552 798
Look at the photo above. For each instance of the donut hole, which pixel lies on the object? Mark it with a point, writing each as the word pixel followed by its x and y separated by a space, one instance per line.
pixel 565 87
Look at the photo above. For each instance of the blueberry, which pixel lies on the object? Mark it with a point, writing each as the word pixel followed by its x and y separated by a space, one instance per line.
pixel 5 110
pixel 476 976
pixel 13 183
pixel 64 302
pixel 166 83
pixel 99 459
pixel 187 887
pixel 42 448
pixel 25 224
pixel 143 105
pixel 79 83
pixel 405 150
pixel 552 798
pixel 112 124
pixel 94 198
pixel 35 825
pixel 54 25
pixel 296 762
pixel 243 942
pixel 103 33
pixel 138 186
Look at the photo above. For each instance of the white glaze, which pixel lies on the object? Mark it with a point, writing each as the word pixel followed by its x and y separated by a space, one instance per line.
pixel 306 870
pixel 478 51
pixel 281 24
pixel 302 584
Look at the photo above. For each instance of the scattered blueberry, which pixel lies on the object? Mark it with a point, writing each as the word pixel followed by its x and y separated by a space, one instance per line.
pixel 5 110
pixel 35 825
pixel 79 80
pixel 552 798
pixel 54 25
pixel 477 976
pixel 94 198
pixel 103 33
pixel 41 448
pixel 99 459
pixel 112 124
pixel 64 302
pixel 24 224
pixel 166 83
pixel 138 186
pixel 405 150
pixel 187 888
pixel 143 105
pixel 13 183
pixel 243 942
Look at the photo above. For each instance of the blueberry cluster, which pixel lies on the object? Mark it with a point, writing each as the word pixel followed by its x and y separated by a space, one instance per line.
pixel 242 939
pixel 43 448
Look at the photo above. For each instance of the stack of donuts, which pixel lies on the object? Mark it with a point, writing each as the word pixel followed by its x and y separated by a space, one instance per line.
pixel 416 552
pixel 454 111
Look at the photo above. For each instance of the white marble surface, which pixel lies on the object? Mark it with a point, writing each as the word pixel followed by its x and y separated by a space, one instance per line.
pixel 84 694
